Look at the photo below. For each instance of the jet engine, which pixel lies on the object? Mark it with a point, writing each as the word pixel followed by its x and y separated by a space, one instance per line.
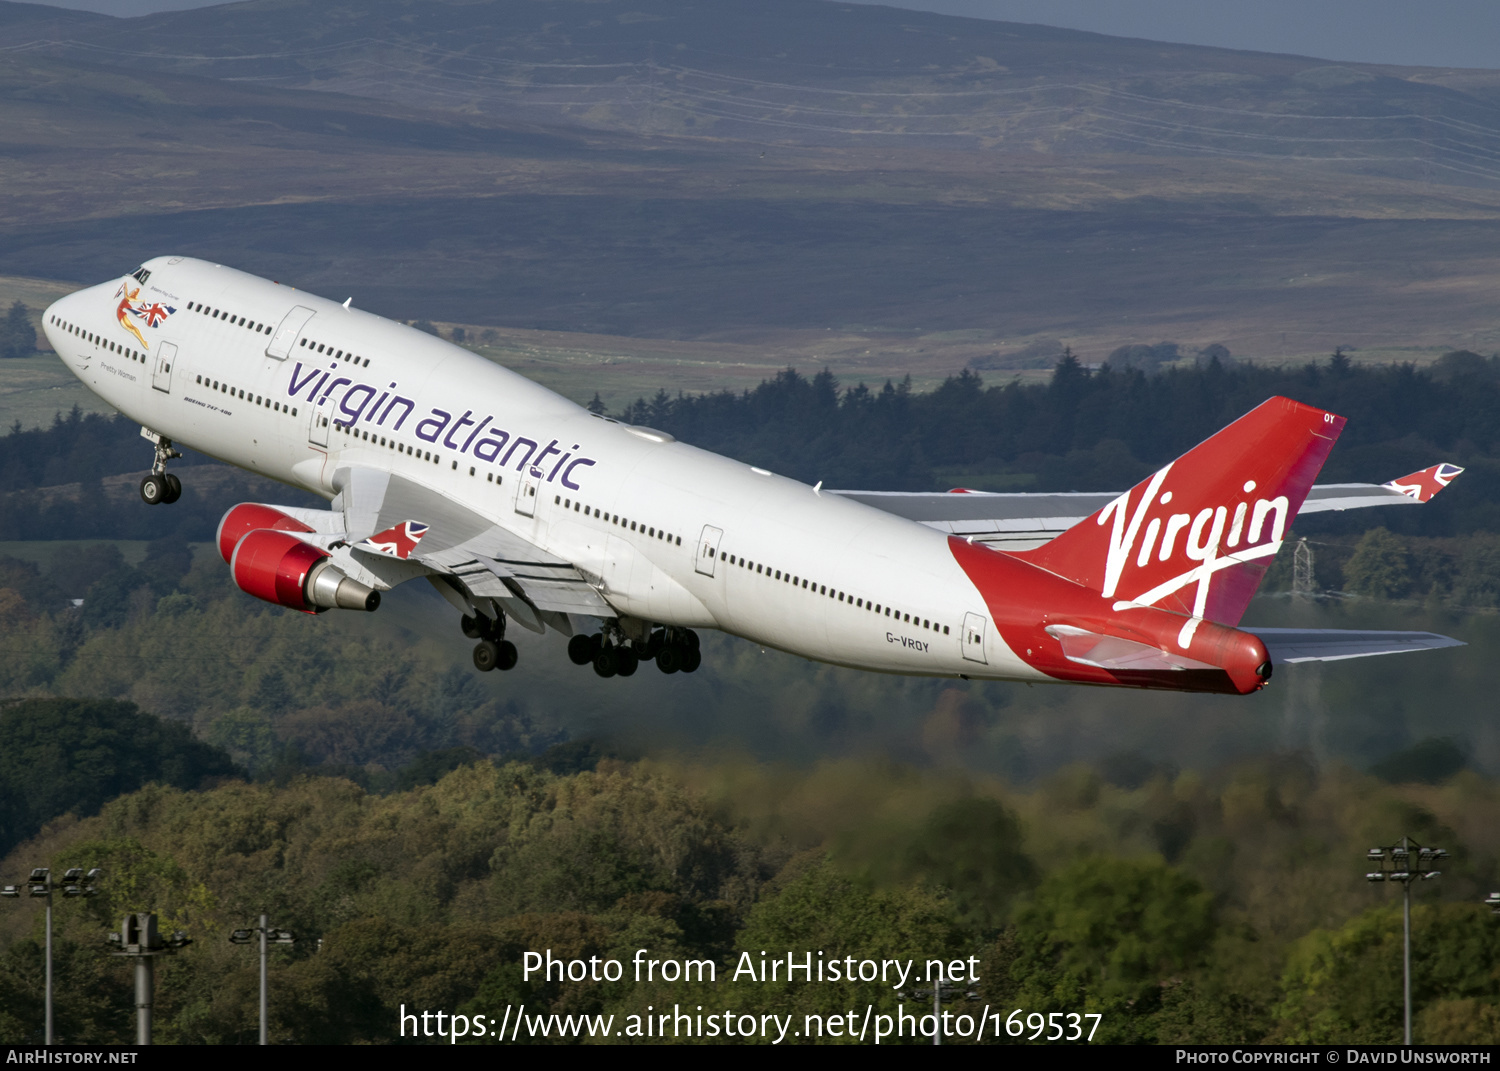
pixel 280 568
pixel 247 517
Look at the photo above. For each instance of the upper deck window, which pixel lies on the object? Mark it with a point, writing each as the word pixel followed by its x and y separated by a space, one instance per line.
pixel 140 275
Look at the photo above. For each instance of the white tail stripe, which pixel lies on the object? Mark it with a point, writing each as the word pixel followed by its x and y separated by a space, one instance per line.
pixel 1197 573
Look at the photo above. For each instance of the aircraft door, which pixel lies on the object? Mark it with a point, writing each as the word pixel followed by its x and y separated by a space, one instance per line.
pixel 708 549
pixel 161 372
pixel 974 638
pixel 527 490
pixel 317 427
pixel 287 333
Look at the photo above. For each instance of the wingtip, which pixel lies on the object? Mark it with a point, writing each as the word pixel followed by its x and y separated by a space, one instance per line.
pixel 1423 484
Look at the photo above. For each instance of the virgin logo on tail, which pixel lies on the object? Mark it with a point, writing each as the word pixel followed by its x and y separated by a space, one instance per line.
pixel 1224 504
pixel 1188 537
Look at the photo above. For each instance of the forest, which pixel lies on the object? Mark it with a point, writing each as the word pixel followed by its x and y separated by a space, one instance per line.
pixel 1253 926
pixel 1189 868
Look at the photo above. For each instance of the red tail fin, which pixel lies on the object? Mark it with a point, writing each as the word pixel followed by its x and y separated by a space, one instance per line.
pixel 1199 534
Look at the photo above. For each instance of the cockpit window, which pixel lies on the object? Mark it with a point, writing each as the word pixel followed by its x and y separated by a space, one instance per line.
pixel 141 275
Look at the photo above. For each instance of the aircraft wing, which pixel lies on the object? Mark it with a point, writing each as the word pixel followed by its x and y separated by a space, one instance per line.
pixel 1021 521
pixel 393 529
pixel 1333 644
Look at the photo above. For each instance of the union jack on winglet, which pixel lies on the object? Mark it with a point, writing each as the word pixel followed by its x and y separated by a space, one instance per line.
pixel 396 542
pixel 1426 483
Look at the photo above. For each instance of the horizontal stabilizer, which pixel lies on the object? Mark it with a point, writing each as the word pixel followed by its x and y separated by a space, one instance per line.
pixel 1332 644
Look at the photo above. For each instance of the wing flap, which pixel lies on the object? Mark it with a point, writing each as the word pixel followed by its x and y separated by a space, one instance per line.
pixel 424 526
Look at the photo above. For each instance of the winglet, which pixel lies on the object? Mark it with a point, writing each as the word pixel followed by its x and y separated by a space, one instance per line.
pixel 397 541
pixel 1426 483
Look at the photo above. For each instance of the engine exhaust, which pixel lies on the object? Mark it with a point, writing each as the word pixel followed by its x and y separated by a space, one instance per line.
pixel 329 589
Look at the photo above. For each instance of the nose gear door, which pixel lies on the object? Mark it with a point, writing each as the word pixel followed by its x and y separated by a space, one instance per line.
pixel 161 372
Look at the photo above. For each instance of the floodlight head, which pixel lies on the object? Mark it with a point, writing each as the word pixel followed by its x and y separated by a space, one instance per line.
pixel 1375 853
pixel 1376 876
pixel 1440 853
pixel 1430 875
pixel 72 890
pixel 94 874
pixel 40 890
pixel 39 874
pixel 10 891
pixel 241 937
pixel 73 875
pixel 179 939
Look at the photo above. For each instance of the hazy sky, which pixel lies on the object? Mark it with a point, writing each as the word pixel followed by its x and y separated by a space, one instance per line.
pixel 1438 33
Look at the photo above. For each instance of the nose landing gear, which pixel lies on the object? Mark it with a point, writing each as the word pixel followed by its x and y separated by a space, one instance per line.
pixel 493 651
pixel 160 486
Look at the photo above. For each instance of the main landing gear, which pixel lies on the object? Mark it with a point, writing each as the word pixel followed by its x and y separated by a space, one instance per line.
pixel 161 486
pixel 493 651
pixel 674 649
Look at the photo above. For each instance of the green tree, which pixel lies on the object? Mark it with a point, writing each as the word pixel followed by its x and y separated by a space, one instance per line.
pixel 17 336
pixel 1103 934
pixel 71 755
pixel 1380 567
pixel 1344 985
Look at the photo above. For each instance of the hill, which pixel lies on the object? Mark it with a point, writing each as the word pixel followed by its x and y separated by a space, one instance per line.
pixel 929 190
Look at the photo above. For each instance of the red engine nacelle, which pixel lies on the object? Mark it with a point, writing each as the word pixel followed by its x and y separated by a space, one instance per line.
pixel 247 517
pixel 280 568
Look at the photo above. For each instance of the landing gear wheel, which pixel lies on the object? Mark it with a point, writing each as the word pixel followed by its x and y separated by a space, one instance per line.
pixel 472 628
pixel 581 650
pixel 628 661
pixel 174 488
pixel 153 490
pixel 607 662
pixel 505 655
pixel 691 660
pixel 689 639
pixel 487 655
pixel 653 646
pixel 669 659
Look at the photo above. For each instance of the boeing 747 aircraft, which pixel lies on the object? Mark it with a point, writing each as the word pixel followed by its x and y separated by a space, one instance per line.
pixel 520 507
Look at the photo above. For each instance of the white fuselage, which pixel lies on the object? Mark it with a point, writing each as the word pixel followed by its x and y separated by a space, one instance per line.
pixel 295 387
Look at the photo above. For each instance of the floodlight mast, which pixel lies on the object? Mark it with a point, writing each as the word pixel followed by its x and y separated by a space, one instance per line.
pixel 1405 862
pixel 140 940
pixel 40 885
pixel 268 936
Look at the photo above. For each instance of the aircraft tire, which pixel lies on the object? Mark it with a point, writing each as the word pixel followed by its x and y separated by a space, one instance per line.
pixel 629 661
pixel 153 490
pixel 669 658
pixel 471 627
pixel 691 661
pixel 607 662
pixel 507 655
pixel 486 655
pixel 581 650
pixel 174 489
pixel 690 639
